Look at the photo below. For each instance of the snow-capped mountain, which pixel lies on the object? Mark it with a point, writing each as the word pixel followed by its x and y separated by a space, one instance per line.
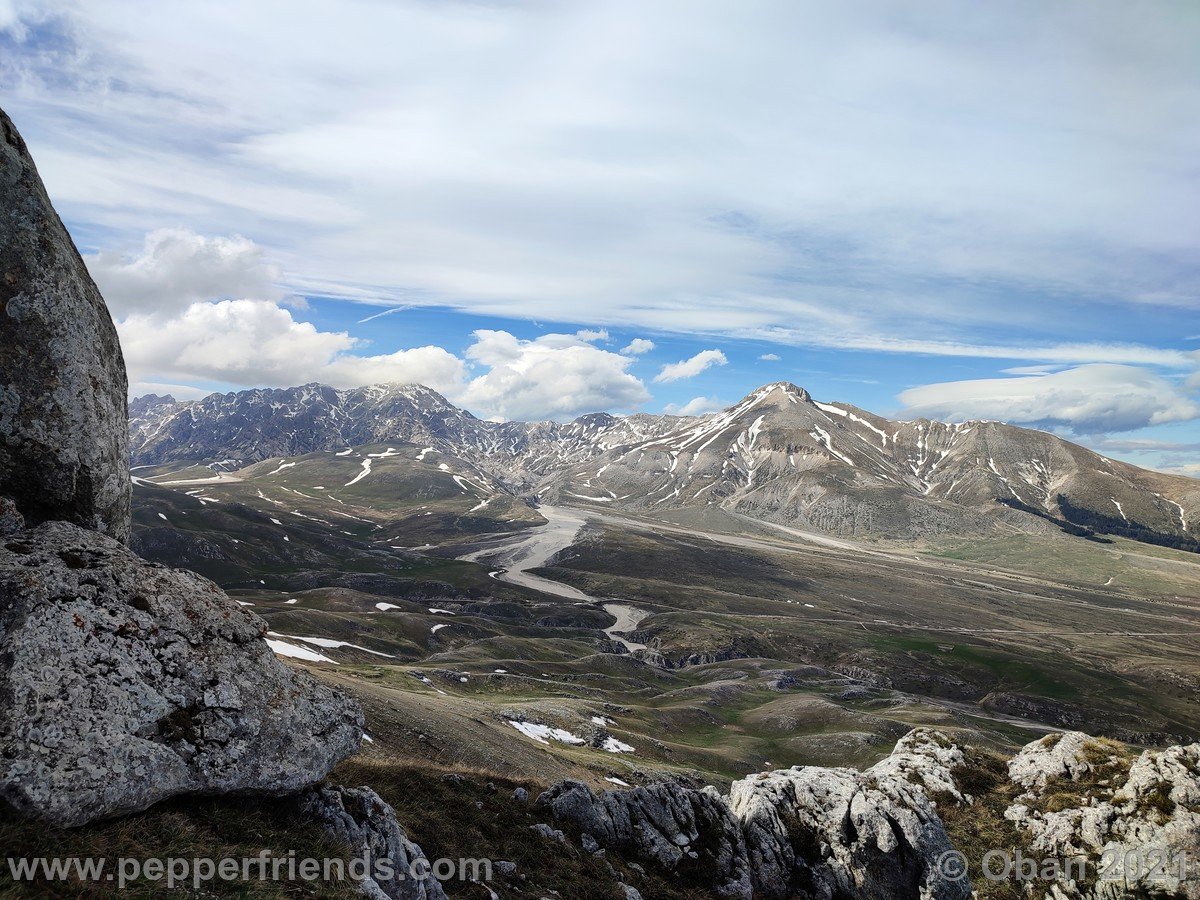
pixel 250 426
pixel 778 456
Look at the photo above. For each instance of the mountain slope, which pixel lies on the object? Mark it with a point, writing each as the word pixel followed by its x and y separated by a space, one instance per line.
pixel 778 456
pixel 783 457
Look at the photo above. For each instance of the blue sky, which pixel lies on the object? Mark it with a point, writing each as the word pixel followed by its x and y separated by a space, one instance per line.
pixel 944 209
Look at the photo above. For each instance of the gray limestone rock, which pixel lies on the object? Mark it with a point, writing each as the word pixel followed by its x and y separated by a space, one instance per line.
pixel 664 823
pixel 123 683
pixel 64 441
pixel 394 867
pixel 840 833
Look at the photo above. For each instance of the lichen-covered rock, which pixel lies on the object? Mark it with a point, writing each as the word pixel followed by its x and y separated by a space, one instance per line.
pixel 840 833
pixel 1051 757
pixel 1138 821
pixel 395 867
pixel 123 683
pixel 681 830
pixel 929 759
pixel 63 429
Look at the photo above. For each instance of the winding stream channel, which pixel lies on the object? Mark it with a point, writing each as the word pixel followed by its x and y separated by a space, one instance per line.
pixel 536 548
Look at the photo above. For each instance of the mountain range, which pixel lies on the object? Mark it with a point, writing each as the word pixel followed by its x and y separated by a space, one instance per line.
pixel 778 456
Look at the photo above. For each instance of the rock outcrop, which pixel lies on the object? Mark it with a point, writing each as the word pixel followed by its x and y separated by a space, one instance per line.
pixel 813 832
pixel 123 683
pixel 685 831
pixel 840 833
pixel 394 867
pixel 929 759
pixel 64 446
pixel 1136 821
pixel 1052 758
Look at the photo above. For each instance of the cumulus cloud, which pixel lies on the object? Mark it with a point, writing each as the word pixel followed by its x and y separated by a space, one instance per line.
pixel 258 342
pixel 689 368
pixel 1086 399
pixel 770 357
pixel 554 376
pixel 178 326
pixel 637 347
pixel 176 267
pixel 697 406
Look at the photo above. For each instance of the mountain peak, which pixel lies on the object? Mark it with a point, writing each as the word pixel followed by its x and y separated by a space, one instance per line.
pixel 783 387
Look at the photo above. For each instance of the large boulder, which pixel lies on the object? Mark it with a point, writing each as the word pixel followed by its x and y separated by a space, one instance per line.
pixel 690 833
pixel 394 867
pixel 837 834
pixel 123 683
pixel 63 433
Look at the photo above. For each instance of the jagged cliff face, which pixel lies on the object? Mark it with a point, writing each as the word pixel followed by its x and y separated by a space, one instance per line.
pixel 778 456
pixel 63 442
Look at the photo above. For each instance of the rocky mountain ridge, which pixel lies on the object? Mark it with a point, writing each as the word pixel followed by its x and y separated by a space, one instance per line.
pixel 778 456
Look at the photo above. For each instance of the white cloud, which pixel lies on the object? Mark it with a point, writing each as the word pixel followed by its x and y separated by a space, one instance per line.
pixel 593 335
pixel 8 14
pixel 697 406
pixel 175 329
pixel 175 268
pixel 555 376
pixel 257 342
pixel 1087 399
pixel 770 357
pixel 375 151
pixel 178 391
pixel 637 347
pixel 1031 370
pixel 692 366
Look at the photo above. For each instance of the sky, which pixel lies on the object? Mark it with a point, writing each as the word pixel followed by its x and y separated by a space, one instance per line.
pixel 541 209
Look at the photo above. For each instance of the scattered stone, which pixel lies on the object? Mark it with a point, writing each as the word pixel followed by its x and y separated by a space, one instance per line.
pixel 64 444
pixel 361 819
pixel 550 834
pixel 126 683
pixel 520 795
pixel 588 843
pixel 505 867
pixel 806 831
